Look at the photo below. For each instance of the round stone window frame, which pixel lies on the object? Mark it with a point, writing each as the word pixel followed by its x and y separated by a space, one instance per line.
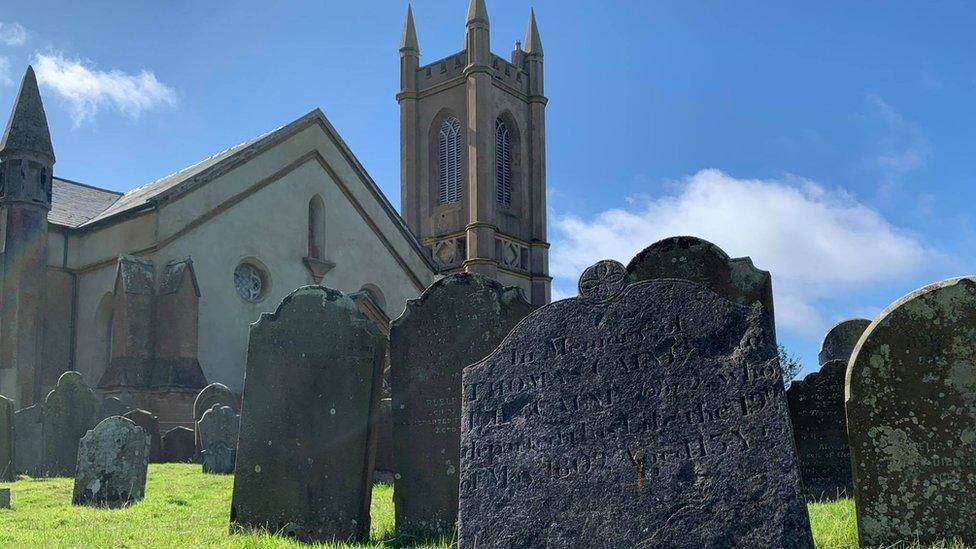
pixel 263 274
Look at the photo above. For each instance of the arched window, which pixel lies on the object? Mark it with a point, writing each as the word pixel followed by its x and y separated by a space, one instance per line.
pixel 503 163
pixel 316 227
pixel 449 161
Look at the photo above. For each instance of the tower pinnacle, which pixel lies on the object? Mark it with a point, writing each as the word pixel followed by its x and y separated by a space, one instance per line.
pixel 27 132
pixel 533 44
pixel 477 11
pixel 409 40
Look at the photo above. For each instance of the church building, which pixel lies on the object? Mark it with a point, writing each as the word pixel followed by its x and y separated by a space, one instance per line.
pixel 150 293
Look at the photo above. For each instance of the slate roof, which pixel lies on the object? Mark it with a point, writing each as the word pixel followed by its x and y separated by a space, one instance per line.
pixel 74 204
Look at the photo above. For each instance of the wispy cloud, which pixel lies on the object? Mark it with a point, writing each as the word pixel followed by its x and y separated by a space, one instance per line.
pixel 817 243
pixel 12 34
pixel 87 90
pixel 6 78
pixel 901 149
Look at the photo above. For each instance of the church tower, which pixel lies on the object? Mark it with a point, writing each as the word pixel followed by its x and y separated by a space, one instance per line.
pixel 473 158
pixel 26 161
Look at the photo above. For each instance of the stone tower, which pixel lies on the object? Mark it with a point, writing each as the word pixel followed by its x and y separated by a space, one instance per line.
pixel 473 156
pixel 26 162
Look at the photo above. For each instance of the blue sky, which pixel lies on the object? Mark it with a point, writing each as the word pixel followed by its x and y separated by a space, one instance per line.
pixel 831 141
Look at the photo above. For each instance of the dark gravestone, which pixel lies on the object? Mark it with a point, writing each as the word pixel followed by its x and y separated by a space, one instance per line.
pixel 215 393
pixel 820 432
pixel 648 415
pixel 111 406
pixel 840 340
pixel 217 431
pixel 112 462
pixel 307 439
pixel 697 260
pixel 7 473
pixel 69 413
pixel 384 437
pixel 456 322
pixel 178 445
pixel 149 424
pixel 29 441
pixel 911 419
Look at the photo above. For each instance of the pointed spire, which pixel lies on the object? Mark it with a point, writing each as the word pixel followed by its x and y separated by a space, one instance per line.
pixel 477 11
pixel 409 40
pixel 533 44
pixel 27 130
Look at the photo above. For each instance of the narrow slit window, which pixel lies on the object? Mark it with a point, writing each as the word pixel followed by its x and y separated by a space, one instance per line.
pixel 503 163
pixel 449 161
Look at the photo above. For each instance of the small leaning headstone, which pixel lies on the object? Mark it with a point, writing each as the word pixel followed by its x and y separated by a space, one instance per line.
pixel 112 462
pixel 111 406
pixel 29 441
pixel 840 340
pixel 217 431
pixel 150 424
pixel 4 498
pixel 69 412
pixel 178 445
pixel 7 472
pixel 215 393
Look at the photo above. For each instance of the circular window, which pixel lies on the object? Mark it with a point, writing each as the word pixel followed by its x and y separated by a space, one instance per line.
pixel 250 282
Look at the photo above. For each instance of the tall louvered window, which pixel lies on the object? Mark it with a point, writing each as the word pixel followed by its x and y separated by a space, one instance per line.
pixel 503 163
pixel 449 161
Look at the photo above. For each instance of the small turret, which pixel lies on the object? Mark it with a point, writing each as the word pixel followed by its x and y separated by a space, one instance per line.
pixel 476 39
pixel 26 153
pixel 409 54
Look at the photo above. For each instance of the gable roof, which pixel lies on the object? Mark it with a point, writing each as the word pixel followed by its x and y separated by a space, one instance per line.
pixel 73 203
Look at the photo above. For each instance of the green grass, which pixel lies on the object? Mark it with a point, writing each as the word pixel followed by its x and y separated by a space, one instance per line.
pixel 185 508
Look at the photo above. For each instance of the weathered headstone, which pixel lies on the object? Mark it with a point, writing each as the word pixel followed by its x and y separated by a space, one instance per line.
pixel 150 424
pixel 178 445
pixel 7 472
pixel 111 406
pixel 840 340
pixel 4 498
pixel 456 322
pixel 215 393
pixel 112 462
pixel 217 430
pixel 69 413
pixel 911 419
pixel 307 439
pixel 384 437
pixel 816 406
pixel 648 415
pixel 29 441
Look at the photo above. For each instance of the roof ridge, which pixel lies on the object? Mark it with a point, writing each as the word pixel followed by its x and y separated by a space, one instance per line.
pixel 86 185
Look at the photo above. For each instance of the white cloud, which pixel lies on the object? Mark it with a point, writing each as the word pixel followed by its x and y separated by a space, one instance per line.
pixel 902 149
pixel 87 90
pixel 816 242
pixel 5 77
pixel 12 34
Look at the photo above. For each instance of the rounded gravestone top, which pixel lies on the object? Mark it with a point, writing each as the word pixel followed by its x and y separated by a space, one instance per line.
pixel 840 340
pixel 215 393
pixel 602 281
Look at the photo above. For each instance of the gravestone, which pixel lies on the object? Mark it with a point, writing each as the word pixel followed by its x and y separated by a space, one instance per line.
pixel 7 472
pixel 456 322
pixel 217 430
pixel 29 441
pixel 911 419
pixel 4 498
pixel 178 445
pixel 307 440
pixel 384 437
pixel 149 424
pixel 69 412
pixel 816 406
pixel 840 340
pixel 112 462
pixel 697 260
pixel 111 406
pixel 215 393
pixel 642 415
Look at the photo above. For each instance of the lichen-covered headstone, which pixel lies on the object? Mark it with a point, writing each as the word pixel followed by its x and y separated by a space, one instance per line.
pixel 307 440
pixel 69 413
pixel 178 445
pixel 7 472
pixel 111 406
pixel 112 462
pixel 456 322
pixel 840 340
pixel 911 419
pixel 215 393
pixel 150 424
pixel 820 432
pixel 642 415
pixel 29 441
pixel 217 431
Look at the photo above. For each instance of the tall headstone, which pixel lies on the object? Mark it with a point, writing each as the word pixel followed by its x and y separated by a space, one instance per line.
pixel 911 419
pixel 456 322
pixel 215 393
pixel 69 412
pixel 178 445
pixel 150 424
pixel 217 430
pixel 112 462
pixel 840 340
pixel 307 440
pixel 642 415
pixel 820 432
pixel 111 406
pixel 7 472
pixel 29 441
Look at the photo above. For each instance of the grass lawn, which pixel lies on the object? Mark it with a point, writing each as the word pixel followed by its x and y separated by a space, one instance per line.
pixel 185 508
